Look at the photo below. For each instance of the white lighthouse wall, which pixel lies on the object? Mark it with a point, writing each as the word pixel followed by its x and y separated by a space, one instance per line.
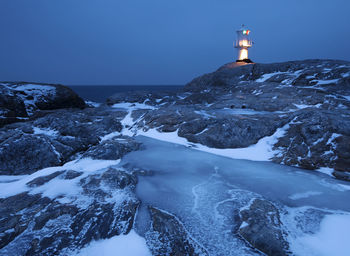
pixel 242 54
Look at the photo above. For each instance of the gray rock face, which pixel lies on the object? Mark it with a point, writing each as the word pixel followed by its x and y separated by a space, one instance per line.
pixel 37 225
pixel 112 149
pixel 261 227
pixel 19 153
pixel 57 137
pixel 317 138
pixel 169 237
pixel 20 100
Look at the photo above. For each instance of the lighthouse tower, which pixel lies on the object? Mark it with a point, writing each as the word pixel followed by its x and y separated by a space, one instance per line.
pixel 243 43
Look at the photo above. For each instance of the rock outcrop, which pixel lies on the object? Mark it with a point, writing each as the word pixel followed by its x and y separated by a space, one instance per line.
pixel 57 137
pixel 261 227
pixel 303 105
pixel 235 107
pixel 21 100
pixel 34 224
pixel 168 236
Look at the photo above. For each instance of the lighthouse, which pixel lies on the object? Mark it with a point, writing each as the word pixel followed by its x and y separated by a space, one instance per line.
pixel 243 43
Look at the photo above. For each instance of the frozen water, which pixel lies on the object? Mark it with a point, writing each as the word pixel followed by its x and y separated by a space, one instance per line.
pixel 204 190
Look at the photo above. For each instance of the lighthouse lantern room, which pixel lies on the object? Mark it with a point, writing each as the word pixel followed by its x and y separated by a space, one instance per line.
pixel 243 43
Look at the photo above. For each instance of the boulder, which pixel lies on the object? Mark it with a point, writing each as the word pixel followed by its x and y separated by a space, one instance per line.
pixel 112 149
pixel 262 228
pixel 19 100
pixel 168 236
pixel 57 137
pixel 24 154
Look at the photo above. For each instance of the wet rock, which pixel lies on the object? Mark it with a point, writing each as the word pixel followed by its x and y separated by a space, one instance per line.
pixel 169 237
pixel 262 228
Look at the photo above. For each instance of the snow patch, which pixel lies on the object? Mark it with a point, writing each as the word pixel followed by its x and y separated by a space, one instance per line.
pixel 326 170
pixel 332 138
pixel 302 106
pixel 266 77
pixel 346 97
pixel 34 87
pixel 109 136
pixel 243 225
pixel 323 82
pixel 331 240
pixel 298 196
pixel 127 245
pixel 45 131
pixel 92 103
pixel 55 187
pixel 204 113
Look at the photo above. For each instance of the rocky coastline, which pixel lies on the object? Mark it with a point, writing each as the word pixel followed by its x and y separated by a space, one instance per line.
pixel 62 154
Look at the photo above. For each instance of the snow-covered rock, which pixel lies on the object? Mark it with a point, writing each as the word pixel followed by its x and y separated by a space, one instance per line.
pixel 21 100
pixel 61 209
pixel 65 192
pixel 261 227
pixel 236 107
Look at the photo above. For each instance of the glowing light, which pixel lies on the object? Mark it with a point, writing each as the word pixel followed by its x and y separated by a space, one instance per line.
pixel 245 43
pixel 244 32
pixel 243 54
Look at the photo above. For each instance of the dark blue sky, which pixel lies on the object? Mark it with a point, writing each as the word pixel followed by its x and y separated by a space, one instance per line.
pixel 159 41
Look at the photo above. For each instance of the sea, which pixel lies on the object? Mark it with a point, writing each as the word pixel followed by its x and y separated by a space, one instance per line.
pixel 99 93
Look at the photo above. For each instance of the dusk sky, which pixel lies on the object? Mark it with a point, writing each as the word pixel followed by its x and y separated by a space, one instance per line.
pixel 160 42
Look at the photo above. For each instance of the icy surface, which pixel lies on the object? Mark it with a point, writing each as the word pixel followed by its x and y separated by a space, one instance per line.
pixel 203 190
pixel 125 245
